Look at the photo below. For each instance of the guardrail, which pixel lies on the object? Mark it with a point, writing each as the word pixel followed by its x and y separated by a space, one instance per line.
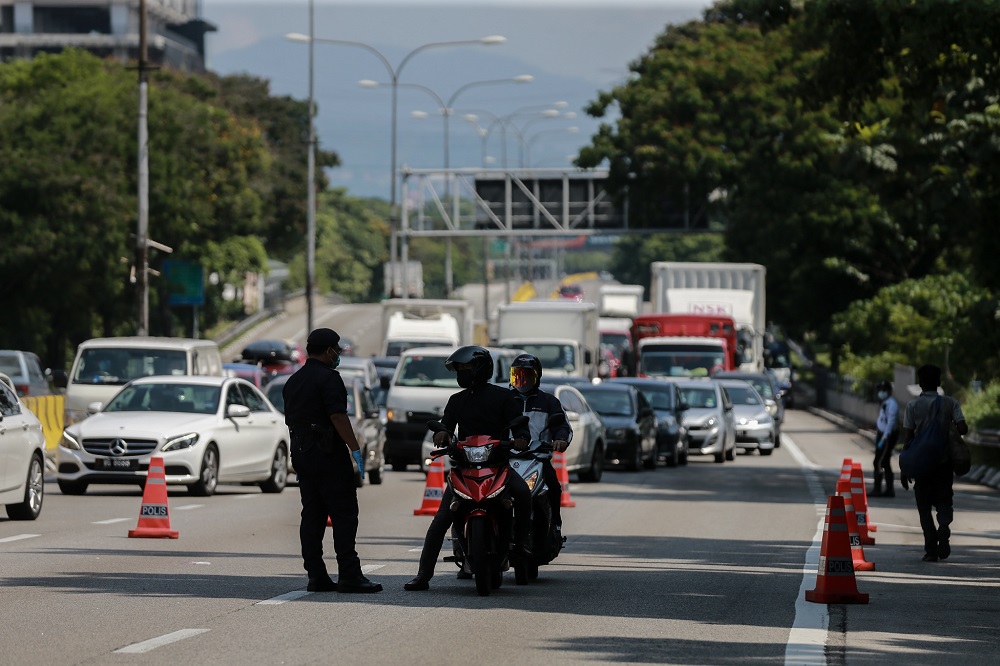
pixel 49 410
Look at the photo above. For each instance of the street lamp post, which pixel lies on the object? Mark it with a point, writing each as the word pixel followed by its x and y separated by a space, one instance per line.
pixel 531 141
pixel 394 73
pixel 311 196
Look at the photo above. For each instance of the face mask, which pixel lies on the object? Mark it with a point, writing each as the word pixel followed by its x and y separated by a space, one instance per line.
pixel 882 395
pixel 336 361
pixel 466 378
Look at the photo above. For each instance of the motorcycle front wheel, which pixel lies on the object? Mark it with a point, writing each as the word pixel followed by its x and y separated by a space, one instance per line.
pixel 479 554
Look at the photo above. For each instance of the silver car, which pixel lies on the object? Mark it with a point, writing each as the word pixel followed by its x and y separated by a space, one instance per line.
pixel 709 419
pixel 755 428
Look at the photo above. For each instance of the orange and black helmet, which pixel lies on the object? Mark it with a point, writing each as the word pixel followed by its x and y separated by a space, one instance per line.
pixel 525 373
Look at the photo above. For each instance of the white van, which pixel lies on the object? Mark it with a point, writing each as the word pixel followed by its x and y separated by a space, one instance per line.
pixel 103 365
pixel 418 393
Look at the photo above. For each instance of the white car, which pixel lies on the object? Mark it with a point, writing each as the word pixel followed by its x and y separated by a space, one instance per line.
pixel 208 430
pixel 22 450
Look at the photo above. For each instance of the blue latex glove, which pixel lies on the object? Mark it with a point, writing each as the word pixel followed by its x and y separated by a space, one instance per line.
pixel 360 462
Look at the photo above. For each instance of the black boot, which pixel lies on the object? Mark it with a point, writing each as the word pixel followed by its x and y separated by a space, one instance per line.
pixel 418 584
pixel 876 487
pixel 890 482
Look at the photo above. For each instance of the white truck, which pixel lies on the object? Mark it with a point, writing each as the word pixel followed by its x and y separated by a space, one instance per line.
pixel 562 334
pixel 619 300
pixel 732 290
pixel 418 322
pixel 392 274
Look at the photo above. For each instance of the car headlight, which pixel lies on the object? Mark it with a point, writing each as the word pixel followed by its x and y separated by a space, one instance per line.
pixel 711 423
pixel 72 416
pixel 395 414
pixel 617 433
pixel 772 409
pixel 70 441
pixel 181 442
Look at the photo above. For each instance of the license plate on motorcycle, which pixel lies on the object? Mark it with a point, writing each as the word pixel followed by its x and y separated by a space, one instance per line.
pixel 118 463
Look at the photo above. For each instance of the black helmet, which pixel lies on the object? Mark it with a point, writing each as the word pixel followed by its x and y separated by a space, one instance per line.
pixel 525 373
pixel 884 385
pixel 479 357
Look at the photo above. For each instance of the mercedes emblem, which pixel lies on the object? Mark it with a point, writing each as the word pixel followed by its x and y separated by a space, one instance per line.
pixel 118 447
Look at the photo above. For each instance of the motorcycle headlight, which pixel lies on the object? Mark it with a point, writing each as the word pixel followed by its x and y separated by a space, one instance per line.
pixel 531 481
pixel 70 441
pixel 495 493
pixel 461 494
pixel 477 454
pixel 181 442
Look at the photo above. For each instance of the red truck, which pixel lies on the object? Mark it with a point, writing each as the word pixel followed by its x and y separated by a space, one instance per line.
pixel 689 325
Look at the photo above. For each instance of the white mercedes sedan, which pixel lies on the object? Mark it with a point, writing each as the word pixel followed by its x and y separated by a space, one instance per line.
pixel 208 430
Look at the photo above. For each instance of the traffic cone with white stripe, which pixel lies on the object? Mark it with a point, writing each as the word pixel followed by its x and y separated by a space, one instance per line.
pixel 433 490
pixel 857 551
pixel 859 494
pixel 845 469
pixel 835 580
pixel 559 463
pixel 154 516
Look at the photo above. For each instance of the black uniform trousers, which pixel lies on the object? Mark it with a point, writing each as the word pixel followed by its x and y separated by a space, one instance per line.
pixel 444 518
pixel 327 488
pixel 935 492
pixel 883 460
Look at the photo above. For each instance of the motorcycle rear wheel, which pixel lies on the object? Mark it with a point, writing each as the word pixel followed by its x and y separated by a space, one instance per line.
pixel 479 555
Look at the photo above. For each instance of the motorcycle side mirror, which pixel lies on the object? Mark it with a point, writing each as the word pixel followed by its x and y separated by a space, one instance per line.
pixel 555 420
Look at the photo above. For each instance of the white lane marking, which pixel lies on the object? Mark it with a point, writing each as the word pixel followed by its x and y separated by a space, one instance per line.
pixel 244 497
pixel 414 550
pixel 807 638
pixel 160 641
pixel 282 598
pixel 18 537
pixel 298 594
pixel 187 507
pixel 110 521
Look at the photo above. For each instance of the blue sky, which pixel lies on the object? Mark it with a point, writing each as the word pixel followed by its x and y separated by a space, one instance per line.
pixel 573 48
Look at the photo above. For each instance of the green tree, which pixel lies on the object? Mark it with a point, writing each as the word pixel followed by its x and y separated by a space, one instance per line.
pixel 632 255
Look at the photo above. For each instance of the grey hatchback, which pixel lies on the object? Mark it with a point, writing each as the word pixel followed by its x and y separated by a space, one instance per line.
pixel 709 419
pixel 764 383
pixel 25 371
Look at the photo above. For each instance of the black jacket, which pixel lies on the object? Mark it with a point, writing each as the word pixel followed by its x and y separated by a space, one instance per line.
pixel 485 409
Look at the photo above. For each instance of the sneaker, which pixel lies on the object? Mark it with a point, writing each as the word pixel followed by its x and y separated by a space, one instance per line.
pixel 357 585
pixel 943 550
pixel 321 584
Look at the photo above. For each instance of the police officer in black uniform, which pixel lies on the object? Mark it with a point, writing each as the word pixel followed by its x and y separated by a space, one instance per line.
pixel 323 445
pixel 481 409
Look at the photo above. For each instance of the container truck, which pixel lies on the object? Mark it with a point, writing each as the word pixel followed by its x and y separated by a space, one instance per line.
pixel 392 274
pixel 731 290
pixel 562 334
pixel 417 322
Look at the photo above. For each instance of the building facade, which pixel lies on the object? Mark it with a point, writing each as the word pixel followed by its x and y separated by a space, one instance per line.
pixel 107 28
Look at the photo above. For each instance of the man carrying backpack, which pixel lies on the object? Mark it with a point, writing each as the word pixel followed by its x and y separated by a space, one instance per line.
pixel 933 490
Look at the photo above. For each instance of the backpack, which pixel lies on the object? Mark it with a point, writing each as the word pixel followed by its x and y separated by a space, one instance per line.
pixel 929 447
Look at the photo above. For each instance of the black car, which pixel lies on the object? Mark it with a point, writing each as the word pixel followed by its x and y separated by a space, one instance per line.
pixel 665 399
pixel 629 420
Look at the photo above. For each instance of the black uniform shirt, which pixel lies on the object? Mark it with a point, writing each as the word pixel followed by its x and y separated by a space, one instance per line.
pixel 312 394
pixel 484 410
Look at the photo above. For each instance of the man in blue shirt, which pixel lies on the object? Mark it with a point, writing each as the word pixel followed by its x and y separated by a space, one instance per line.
pixel 887 433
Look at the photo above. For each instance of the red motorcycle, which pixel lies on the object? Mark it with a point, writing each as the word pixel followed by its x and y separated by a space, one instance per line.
pixel 482 505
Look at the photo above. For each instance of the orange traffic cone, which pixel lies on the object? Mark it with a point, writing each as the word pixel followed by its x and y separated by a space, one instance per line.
pixel 861 505
pixel 835 581
pixel 154 517
pixel 559 463
pixel 872 527
pixel 857 551
pixel 845 468
pixel 433 491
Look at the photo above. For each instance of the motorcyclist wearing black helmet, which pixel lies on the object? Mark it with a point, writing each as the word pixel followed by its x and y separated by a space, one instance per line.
pixel 481 408
pixel 525 375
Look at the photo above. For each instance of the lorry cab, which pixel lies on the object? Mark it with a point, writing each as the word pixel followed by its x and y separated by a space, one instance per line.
pixel 682 356
pixel 693 325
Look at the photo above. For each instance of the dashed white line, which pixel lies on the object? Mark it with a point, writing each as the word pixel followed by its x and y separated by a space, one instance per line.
pixel 160 641
pixel 110 521
pixel 18 537
pixel 298 594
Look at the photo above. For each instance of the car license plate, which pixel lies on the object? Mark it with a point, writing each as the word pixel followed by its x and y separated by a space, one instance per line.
pixel 118 463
